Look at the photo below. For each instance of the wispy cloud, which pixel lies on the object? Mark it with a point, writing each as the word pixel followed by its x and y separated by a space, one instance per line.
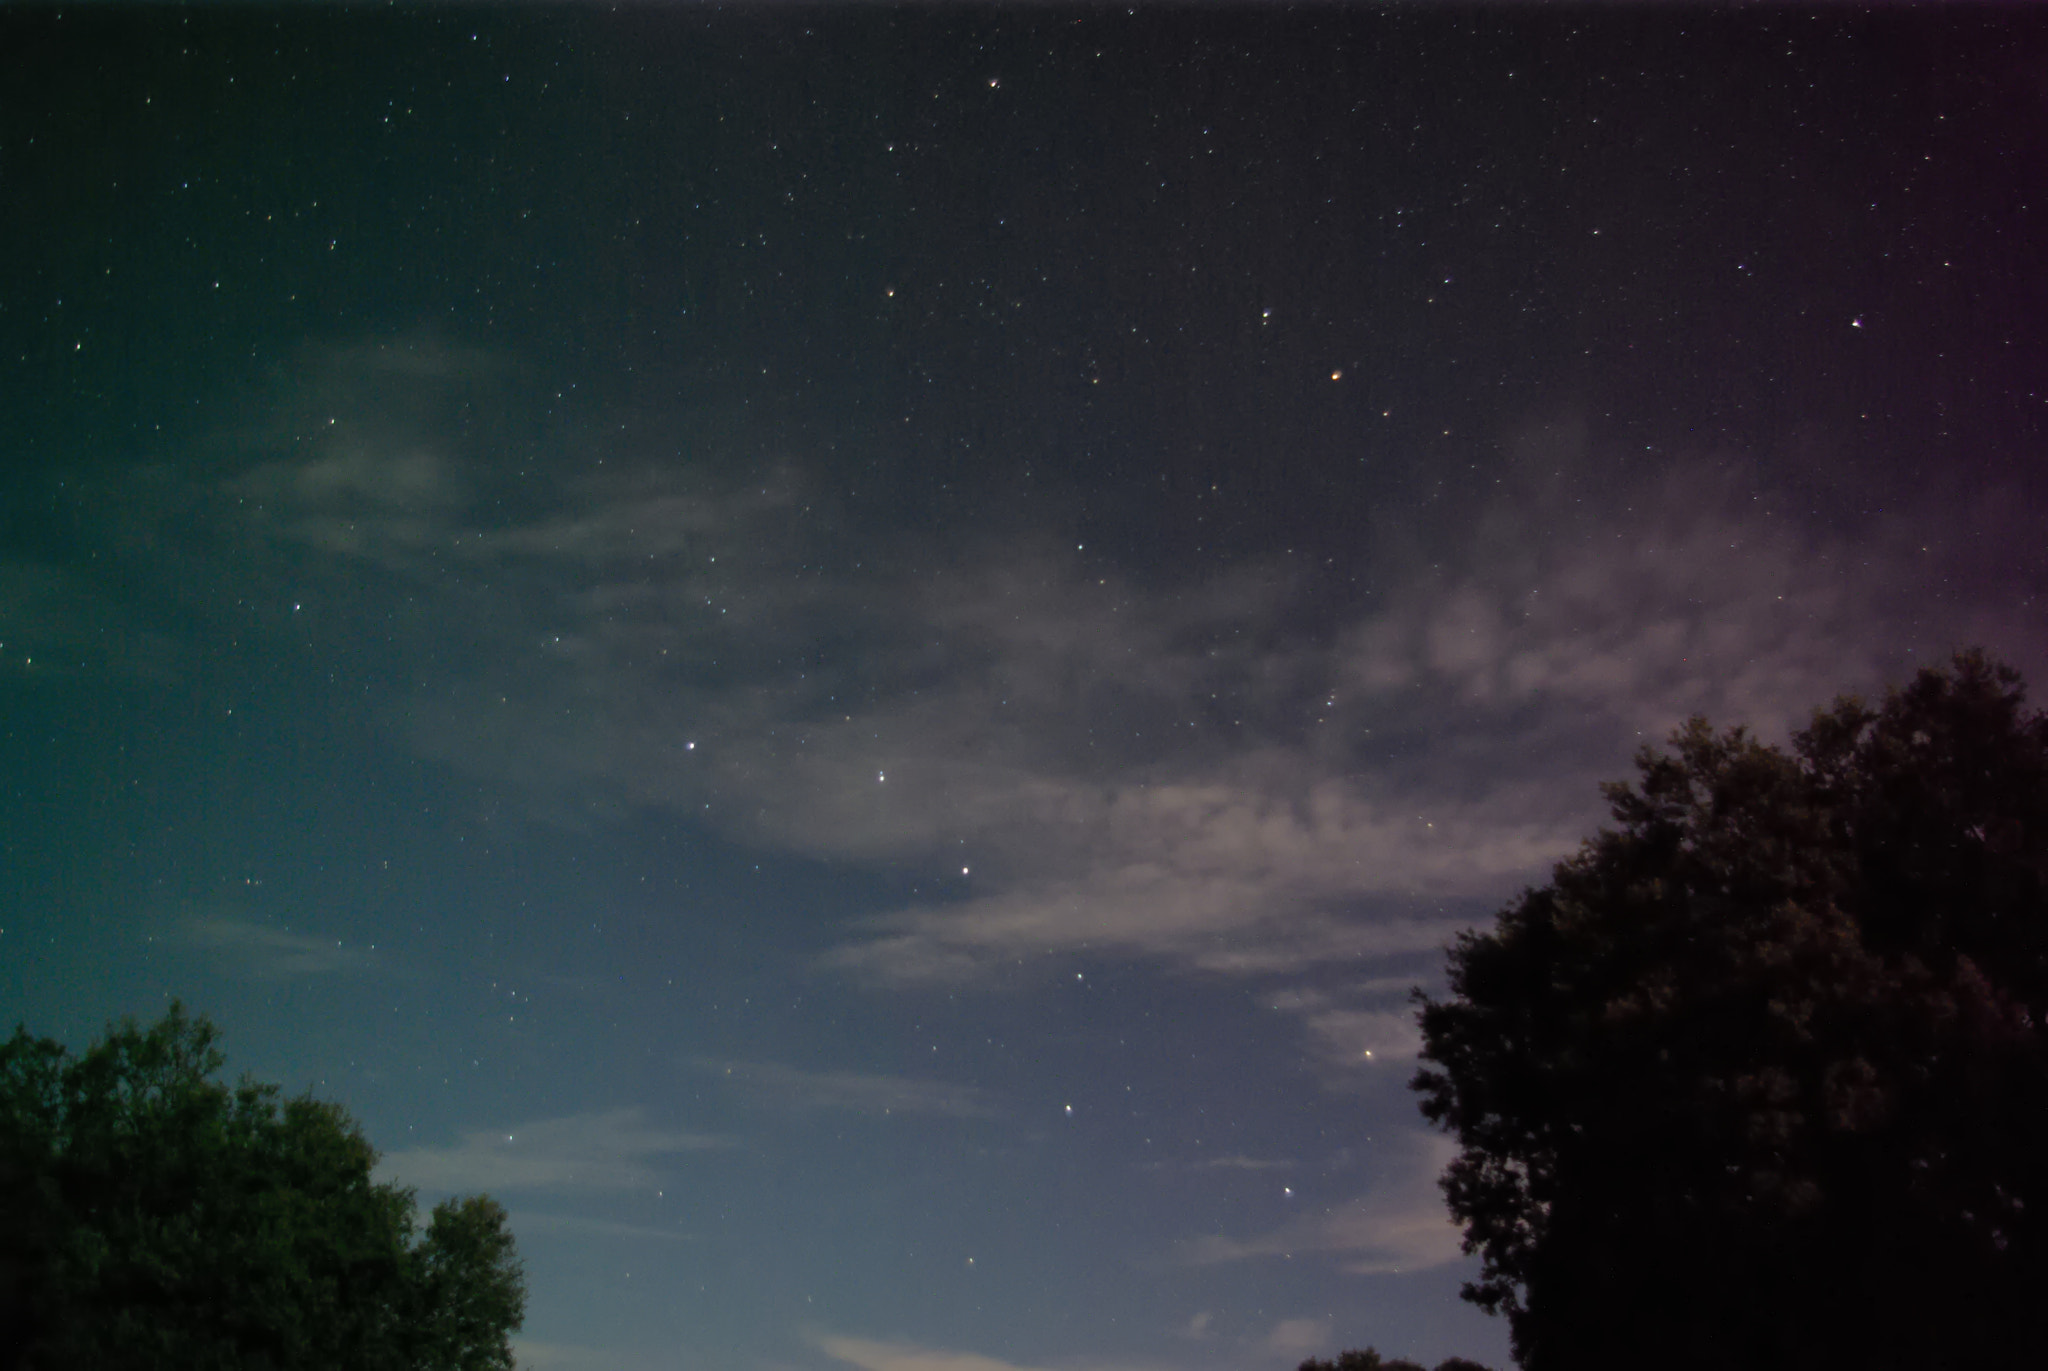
pixel 55 624
pixel 1252 771
pixel 1252 871
pixel 530 1221
pixel 894 1356
pixel 861 1092
pixel 1297 1337
pixel 270 952
pixel 584 1152
pixel 871 1355
pixel 1244 1164
pixel 1399 1225
pixel 1356 1026
pixel 897 1356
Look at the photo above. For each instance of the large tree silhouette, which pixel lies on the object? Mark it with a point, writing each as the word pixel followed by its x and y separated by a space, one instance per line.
pixel 153 1217
pixel 1759 1078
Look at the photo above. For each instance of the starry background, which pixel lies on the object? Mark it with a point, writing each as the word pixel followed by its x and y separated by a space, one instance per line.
pixel 854 656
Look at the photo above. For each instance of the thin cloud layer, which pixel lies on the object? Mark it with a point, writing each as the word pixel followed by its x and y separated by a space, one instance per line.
pixel 871 1355
pixel 1238 1163
pixel 1367 1026
pixel 525 1221
pixel 892 1356
pixel 610 1151
pixel 1399 1225
pixel 1244 874
pixel 860 1092
pixel 275 953
pixel 57 625
pixel 1297 1337
pixel 1254 774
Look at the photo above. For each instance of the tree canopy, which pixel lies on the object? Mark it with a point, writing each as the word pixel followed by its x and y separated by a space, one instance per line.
pixel 1759 1079
pixel 1371 1360
pixel 152 1216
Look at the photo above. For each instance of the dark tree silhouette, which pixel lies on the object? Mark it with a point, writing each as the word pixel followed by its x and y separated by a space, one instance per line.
pixel 1370 1360
pixel 152 1217
pixel 1759 1078
pixel 1354 1360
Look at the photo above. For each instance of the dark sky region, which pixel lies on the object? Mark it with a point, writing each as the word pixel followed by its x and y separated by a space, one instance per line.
pixel 854 655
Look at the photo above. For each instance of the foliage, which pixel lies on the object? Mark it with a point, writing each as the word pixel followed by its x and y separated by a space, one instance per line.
pixel 1354 1360
pixel 151 1216
pixel 1759 1078
pixel 1370 1360
pixel 469 1291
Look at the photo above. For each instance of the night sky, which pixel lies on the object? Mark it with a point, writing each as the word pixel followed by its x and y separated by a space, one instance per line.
pixel 854 656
